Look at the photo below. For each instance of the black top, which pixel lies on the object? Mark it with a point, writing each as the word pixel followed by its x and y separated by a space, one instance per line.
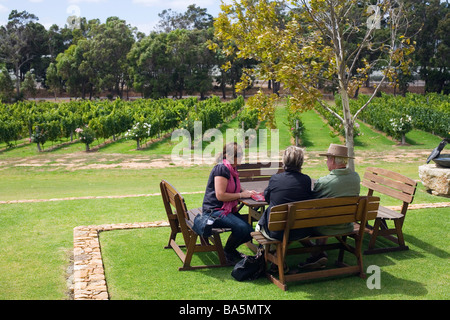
pixel 285 187
pixel 210 200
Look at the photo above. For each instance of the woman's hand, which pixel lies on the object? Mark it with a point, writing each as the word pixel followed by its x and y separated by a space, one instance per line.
pixel 220 185
pixel 247 193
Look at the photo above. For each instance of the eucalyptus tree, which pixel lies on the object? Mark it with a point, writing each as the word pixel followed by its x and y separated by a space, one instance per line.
pixel 151 65
pixel 75 78
pixel 430 22
pixel 106 55
pixel 53 80
pixel 18 42
pixel 175 62
pixel 194 61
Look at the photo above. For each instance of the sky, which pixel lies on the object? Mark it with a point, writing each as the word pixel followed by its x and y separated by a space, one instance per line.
pixel 142 14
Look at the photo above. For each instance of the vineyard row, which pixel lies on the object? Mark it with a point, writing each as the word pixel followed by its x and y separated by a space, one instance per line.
pixel 139 119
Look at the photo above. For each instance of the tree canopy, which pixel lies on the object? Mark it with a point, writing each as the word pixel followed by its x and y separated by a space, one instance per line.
pixel 316 41
pixel 88 57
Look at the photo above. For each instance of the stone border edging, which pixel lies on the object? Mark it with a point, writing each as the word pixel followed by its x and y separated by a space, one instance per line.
pixel 89 274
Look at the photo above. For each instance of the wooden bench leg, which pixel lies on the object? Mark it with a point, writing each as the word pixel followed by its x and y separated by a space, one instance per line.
pixel 340 259
pixel 280 263
pixel 189 252
pixel 398 228
pixel 358 255
pixel 380 229
pixel 281 281
pixel 219 248
pixel 173 236
pixel 374 235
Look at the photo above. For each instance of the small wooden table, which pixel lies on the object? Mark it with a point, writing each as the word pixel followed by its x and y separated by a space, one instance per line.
pixel 255 208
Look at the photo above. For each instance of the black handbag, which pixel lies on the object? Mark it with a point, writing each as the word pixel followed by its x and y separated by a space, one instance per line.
pixel 250 267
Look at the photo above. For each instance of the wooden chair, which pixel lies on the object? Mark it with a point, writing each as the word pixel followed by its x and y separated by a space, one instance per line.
pixel 313 213
pixel 181 221
pixel 394 185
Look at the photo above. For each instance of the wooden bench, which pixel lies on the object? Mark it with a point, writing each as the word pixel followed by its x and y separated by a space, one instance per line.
pixel 313 213
pixel 181 221
pixel 397 186
pixel 256 176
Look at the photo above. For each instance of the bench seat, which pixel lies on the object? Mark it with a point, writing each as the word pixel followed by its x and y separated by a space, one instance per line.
pixel 313 213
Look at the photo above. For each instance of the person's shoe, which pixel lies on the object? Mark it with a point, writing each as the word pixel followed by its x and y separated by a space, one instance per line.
pixel 315 262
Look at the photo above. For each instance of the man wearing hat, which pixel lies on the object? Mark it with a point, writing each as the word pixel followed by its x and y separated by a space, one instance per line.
pixel 340 182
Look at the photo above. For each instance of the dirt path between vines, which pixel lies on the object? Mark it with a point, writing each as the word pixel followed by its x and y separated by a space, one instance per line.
pixel 96 160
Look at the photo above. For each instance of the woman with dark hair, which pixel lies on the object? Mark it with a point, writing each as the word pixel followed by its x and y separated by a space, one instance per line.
pixel 223 191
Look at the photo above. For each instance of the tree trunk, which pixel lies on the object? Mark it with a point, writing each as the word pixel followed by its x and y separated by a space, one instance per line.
pixel 223 86
pixel 348 126
pixel 17 71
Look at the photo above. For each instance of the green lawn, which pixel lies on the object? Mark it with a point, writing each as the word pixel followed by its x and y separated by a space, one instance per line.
pixel 36 239
pixel 137 273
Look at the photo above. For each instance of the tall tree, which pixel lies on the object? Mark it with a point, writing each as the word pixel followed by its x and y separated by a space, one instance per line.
pixel 106 56
pixel 430 21
pixel 69 66
pixel 152 66
pixel 201 61
pixel 15 42
pixel 173 62
pixel 6 86
pixel 53 80
pixel 300 54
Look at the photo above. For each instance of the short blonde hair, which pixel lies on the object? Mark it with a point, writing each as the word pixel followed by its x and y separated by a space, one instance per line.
pixel 293 158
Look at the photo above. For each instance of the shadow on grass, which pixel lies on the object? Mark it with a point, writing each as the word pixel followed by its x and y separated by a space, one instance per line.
pixel 144 255
pixel 305 139
pixel 329 288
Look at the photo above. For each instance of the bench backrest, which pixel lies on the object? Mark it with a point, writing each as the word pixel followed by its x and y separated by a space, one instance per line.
pixel 175 207
pixel 321 212
pixel 258 171
pixel 389 183
pixel 168 193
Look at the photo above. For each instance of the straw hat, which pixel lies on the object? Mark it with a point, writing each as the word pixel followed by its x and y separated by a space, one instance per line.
pixel 337 150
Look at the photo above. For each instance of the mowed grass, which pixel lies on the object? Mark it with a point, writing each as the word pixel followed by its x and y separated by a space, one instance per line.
pixel 37 238
pixel 137 273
